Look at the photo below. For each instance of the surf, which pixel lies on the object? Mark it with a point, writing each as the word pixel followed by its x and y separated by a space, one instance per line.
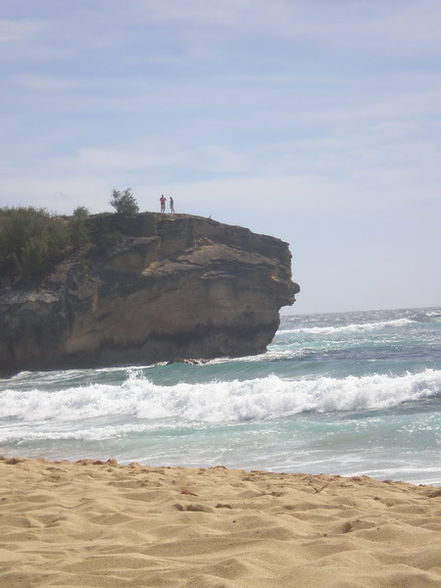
pixel 259 399
pixel 352 328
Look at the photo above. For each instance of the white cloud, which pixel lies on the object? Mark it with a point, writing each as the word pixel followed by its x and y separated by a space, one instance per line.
pixel 55 192
pixel 102 161
pixel 46 83
pixel 12 30
pixel 411 24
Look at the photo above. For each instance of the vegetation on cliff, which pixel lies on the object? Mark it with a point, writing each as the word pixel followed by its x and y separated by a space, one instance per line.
pixel 32 240
pixel 124 202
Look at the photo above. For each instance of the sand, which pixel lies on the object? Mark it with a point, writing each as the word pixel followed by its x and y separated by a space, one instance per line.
pixel 101 524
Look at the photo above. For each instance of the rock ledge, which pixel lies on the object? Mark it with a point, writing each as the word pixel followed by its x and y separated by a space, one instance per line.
pixel 152 288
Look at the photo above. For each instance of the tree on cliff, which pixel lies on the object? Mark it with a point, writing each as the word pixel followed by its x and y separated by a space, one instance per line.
pixel 124 202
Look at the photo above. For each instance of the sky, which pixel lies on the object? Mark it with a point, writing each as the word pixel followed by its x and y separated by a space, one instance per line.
pixel 315 121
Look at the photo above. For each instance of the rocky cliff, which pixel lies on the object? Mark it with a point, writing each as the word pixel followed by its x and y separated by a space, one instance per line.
pixel 149 288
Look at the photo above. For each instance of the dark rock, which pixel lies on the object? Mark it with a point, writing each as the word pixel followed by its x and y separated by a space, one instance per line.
pixel 150 288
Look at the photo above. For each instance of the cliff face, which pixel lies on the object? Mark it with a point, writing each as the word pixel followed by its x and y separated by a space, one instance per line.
pixel 153 288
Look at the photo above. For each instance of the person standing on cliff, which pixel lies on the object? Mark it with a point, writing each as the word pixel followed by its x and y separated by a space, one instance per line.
pixel 163 200
pixel 171 203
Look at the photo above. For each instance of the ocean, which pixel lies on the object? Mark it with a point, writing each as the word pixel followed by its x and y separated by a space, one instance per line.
pixel 344 393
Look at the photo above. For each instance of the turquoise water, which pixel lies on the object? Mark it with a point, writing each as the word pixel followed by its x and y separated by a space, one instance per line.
pixel 346 393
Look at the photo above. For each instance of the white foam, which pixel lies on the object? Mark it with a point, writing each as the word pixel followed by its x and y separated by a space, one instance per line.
pixel 273 354
pixel 15 434
pixel 65 375
pixel 215 402
pixel 352 328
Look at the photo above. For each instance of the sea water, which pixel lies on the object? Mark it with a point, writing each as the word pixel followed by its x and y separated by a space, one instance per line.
pixel 346 393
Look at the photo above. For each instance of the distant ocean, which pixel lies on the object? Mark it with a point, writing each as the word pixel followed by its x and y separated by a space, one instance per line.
pixel 345 393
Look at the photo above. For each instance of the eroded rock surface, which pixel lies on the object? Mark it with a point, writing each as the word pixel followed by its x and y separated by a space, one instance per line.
pixel 151 288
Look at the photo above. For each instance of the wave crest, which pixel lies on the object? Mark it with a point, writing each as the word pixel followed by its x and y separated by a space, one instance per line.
pixel 352 328
pixel 260 399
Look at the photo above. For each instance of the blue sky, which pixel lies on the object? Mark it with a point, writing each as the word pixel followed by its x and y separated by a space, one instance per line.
pixel 317 121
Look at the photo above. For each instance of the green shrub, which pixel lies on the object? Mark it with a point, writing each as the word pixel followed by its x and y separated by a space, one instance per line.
pixel 81 212
pixel 31 240
pixel 124 202
pixel 80 232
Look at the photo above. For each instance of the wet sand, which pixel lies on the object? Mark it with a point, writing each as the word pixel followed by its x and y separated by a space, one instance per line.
pixel 96 524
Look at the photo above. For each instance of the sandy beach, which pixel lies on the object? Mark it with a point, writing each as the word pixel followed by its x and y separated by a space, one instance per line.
pixel 99 524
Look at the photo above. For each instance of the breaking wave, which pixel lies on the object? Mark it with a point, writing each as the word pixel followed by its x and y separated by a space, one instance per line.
pixel 352 328
pixel 149 406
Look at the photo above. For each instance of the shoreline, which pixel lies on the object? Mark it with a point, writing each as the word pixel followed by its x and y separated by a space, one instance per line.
pixel 96 523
